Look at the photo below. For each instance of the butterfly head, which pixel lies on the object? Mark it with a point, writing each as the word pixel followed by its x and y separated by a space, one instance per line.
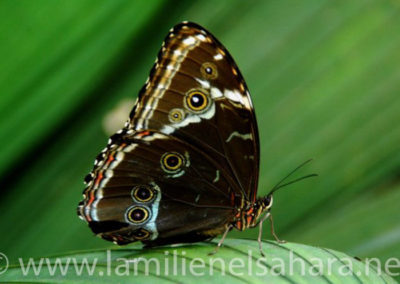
pixel 265 202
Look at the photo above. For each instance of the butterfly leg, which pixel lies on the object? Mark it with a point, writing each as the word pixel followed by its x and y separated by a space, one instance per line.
pixel 221 241
pixel 260 233
pixel 273 231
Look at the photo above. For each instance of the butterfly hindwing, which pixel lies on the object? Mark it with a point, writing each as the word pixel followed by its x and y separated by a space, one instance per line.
pixel 157 178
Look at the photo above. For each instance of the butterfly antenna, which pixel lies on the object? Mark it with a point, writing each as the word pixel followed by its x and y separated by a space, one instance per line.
pixel 280 184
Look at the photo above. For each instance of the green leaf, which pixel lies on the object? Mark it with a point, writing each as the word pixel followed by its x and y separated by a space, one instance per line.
pixel 238 261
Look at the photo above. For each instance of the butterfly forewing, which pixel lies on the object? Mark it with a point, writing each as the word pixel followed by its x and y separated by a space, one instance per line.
pixel 191 60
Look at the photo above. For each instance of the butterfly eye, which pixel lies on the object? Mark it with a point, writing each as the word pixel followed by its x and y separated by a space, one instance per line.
pixel 197 101
pixel 142 193
pixel 137 214
pixel 209 70
pixel 172 162
pixel 141 234
pixel 176 115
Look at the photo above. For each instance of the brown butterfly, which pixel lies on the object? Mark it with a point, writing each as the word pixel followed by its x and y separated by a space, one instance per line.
pixel 185 166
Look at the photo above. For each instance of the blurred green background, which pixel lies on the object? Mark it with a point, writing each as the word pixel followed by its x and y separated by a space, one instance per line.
pixel 325 80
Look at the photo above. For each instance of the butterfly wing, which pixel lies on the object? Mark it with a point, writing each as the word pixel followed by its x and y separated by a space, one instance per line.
pixel 152 187
pixel 195 92
pixel 195 112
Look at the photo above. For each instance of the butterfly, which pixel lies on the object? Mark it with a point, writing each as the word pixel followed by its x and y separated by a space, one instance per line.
pixel 185 166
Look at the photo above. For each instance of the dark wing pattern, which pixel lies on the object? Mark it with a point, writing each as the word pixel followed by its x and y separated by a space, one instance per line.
pixel 188 156
pixel 147 186
pixel 191 60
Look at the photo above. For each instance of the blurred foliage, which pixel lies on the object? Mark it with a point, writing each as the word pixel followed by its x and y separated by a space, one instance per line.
pixel 324 77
